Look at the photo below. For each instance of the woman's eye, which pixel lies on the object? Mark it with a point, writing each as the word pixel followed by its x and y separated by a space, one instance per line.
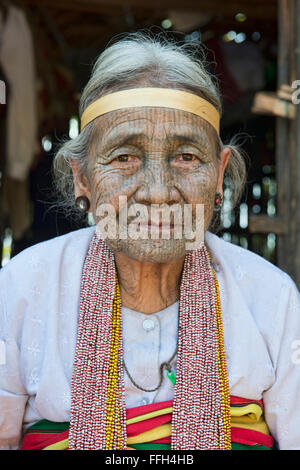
pixel 123 158
pixel 126 158
pixel 187 157
pixel 126 161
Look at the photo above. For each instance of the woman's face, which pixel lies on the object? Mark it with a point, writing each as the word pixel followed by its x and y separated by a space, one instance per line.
pixel 155 157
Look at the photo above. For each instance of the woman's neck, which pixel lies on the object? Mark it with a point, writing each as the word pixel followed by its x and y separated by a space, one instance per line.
pixel 148 287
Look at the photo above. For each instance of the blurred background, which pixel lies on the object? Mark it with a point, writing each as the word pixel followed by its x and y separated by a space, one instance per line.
pixel 47 49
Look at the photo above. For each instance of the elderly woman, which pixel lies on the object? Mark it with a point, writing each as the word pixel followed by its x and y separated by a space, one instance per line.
pixel 146 332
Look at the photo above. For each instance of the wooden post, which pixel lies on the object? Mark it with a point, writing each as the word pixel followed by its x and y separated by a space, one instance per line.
pixel 282 134
pixel 286 224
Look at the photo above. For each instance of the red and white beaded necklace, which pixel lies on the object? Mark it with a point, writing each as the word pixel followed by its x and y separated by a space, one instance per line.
pixel 201 414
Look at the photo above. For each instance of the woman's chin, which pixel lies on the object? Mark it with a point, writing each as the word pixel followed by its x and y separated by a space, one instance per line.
pixel 149 251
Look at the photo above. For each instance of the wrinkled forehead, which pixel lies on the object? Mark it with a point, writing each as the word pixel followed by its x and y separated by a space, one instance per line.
pixel 158 123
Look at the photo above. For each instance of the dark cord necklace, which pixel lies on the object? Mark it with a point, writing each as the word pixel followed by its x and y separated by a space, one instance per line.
pixel 164 365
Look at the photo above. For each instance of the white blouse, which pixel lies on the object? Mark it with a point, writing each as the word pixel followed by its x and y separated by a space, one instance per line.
pixel 148 341
pixel 39 304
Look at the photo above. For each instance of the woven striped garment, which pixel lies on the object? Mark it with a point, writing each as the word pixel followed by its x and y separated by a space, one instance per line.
pixel 149 428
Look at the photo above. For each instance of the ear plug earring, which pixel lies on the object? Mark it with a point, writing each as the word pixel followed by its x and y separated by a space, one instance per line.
pixel 218 200
pixel 83 203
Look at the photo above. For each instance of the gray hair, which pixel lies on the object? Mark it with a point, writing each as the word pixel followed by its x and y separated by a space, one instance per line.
pixel 140 58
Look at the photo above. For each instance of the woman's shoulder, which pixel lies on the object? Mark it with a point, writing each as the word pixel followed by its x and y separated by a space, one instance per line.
pixel 46 257
pixel 40 280
pixel 254 287
pixel 244 265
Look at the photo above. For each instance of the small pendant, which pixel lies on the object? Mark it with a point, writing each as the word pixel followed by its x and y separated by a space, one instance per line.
pixel 171 376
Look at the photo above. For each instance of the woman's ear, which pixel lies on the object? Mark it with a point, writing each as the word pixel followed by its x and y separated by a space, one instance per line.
pixel 81 184
pixel 224 158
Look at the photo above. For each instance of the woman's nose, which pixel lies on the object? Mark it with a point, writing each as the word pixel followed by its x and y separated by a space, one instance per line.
pixel 157 186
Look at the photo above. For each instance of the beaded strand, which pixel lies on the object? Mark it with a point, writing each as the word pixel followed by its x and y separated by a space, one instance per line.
pixel 201 414
pixel 223 369
pixel 112 414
